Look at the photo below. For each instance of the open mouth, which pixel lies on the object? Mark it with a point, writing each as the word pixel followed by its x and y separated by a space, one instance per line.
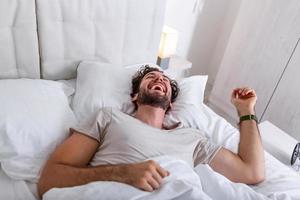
pixel 158 87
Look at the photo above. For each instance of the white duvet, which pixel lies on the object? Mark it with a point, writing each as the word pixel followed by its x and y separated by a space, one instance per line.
pixel 183 183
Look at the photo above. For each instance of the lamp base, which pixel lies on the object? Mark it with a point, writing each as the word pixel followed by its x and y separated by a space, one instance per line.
pixel 163 62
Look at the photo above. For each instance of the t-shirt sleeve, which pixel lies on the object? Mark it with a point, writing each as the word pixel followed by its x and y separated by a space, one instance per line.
pixel 97 127
pixel 205 151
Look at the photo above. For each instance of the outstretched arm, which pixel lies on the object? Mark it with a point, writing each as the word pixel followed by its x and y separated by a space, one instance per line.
pixel 68 166
pixel 247 166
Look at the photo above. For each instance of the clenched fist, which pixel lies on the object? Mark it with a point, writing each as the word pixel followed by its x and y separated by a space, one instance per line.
pixel 146 175
pixel 244 99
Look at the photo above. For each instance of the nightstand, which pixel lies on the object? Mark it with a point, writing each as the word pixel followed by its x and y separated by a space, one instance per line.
pixel 178 67
pixel 277 142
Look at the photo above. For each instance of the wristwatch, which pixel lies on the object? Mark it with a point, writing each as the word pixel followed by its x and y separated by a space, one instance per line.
pixel 248 117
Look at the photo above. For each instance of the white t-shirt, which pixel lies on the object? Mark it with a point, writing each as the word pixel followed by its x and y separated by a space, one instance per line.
pixel 125 139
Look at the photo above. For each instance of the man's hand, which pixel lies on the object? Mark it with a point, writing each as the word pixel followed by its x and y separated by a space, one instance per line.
pixel 146 175
pixel 244 99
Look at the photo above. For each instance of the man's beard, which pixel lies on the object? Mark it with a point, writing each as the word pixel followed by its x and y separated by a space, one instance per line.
pixel 147 98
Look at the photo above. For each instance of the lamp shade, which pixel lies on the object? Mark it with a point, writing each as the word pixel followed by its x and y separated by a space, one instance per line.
pixel 168 42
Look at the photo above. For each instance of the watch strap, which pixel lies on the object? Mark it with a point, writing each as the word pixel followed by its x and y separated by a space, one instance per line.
pixel 248 117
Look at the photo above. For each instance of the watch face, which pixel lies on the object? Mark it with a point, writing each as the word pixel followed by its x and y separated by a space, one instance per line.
pixel 296 155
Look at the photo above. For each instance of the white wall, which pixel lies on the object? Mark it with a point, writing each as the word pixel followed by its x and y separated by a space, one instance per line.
pixel 223 39
pixel 261 54
pixel 204 28
pixel 182 15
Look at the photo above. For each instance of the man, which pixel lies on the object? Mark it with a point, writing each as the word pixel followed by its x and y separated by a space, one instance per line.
pixel 114 147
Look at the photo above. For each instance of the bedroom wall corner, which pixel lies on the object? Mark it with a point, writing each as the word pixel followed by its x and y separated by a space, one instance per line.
pixel 204 28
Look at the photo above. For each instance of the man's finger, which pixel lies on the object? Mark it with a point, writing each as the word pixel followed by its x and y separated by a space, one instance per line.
pixel 235 93
pixel 147 187
pixel 162 171
pixel 157 177
pixel 236 90
pixel 244 90
pixel 251 91
pixel 240 90
pixel 153 183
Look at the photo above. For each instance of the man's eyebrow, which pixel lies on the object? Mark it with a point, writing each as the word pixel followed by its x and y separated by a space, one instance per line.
pixel 152 73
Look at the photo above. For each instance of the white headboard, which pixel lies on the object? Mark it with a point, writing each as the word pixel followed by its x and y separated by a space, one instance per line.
pixel 48 38
pixel 19 55
pixel 115 31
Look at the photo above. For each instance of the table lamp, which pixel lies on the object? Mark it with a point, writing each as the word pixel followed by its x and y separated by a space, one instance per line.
pixel 167 46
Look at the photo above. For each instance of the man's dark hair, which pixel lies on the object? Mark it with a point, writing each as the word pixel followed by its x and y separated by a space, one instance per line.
pixel 139 75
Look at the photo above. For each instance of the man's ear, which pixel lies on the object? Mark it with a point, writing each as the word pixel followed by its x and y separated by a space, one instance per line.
pixel 170 106
pixel 134 98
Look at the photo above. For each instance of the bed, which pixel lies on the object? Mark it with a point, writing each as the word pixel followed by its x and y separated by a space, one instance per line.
pixel 61 61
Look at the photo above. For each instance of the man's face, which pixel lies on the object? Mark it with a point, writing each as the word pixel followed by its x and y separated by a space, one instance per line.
pixel 155 90
pixel 156 83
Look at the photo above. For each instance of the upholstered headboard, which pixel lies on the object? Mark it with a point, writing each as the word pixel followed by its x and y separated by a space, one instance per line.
pixel 19 56
pixel 48 38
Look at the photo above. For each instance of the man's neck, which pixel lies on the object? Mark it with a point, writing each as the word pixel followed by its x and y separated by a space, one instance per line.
pixel 150 115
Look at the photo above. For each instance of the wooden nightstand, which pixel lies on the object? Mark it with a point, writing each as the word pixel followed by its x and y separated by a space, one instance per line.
pixel 277 142
pixel 178 68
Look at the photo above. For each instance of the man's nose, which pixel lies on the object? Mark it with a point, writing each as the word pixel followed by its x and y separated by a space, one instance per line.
pixel 159 78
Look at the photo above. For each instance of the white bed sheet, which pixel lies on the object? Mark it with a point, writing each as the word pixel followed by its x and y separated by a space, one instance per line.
pixel 16 190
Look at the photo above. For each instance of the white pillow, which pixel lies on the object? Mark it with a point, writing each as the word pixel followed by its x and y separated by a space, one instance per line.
pixel 102 84
pixel 192 90
pixel 35 118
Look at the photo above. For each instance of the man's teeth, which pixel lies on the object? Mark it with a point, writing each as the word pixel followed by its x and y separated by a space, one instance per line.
pixel 157 87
